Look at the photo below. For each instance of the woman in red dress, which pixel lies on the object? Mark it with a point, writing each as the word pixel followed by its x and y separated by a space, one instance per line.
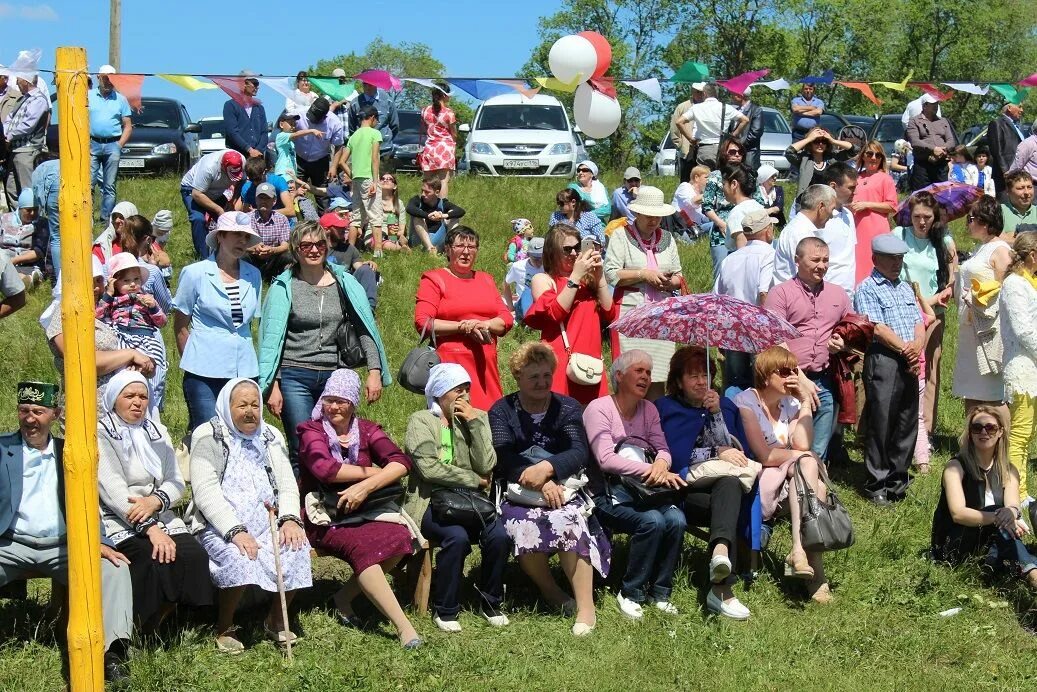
pixel 465 311
pixel 572 294
pixel 439 124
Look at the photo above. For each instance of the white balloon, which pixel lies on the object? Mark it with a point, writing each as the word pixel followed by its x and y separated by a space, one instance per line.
pixel 572 57
pixel 597 114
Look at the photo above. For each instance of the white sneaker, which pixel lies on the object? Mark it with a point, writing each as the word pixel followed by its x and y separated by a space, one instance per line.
pixel 582 629
pixel 629 608
pixel 729 609
pixel 447 625
pixel 719 568
pixel 495 618
pixel 666 607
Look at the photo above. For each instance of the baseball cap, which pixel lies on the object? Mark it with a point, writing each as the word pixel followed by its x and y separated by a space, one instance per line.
pixel 338 203
pixel 287 116
pixel 106 69
pixel 929 98
pixel 631 172
pixel 249 76
pixel 698 86
pixel 234 164
pixel 758 220
pixel 318 110
pixel 338 72
pixel 536 247
pixel 266 190
pixel 333 220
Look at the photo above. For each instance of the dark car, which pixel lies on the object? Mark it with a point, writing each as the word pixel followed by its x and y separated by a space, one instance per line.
pixel 164 139
pixel 408 142
pixel 886 130
pixel 976 136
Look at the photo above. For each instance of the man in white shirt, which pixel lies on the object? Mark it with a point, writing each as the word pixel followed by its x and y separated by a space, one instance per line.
pixel 841 231
pixel 711 119
pixel 817 206
pixel 747 274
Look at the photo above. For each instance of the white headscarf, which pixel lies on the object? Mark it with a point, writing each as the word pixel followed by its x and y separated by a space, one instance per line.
pixel 441 379
pixel 223 412
pixel 105 240
pixel 138 442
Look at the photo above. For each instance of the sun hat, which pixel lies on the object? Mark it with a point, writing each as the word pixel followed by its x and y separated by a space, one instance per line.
pixel 589 164
pixel 765 173
pixel 232 222
pixel 630 173
pixel 757 220
pixel 121 261
pixel 698 86
pixel 651 202
pixel 234 164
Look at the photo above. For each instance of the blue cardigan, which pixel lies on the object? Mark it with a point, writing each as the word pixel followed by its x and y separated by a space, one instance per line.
pixel 682 425
pixel 242 131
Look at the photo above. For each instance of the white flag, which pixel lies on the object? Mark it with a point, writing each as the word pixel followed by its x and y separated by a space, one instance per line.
pixel 774 84
pixel 968 88
pixel 648 87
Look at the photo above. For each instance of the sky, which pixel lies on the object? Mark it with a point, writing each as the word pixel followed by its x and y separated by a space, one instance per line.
pixel 470 37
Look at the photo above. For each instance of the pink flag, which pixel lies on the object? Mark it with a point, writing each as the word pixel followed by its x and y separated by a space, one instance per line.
pixel 934 92
pixel 1029 81
pixel 605 85
pixel 234 87
pixel 864 89
pixel 129 85
pixel 737 85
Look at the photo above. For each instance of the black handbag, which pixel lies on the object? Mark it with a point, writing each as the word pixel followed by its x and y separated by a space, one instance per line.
pixel 347 339
pixel 824 526
pixel 644 495
pixel 462 507
pixel 386 499
pixel 413 375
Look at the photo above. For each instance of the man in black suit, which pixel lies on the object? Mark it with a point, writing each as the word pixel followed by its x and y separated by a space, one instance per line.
pixel 1003 137
pixel 753 132
pixel 245 127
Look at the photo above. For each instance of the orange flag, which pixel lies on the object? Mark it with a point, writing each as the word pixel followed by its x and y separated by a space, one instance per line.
pixel 864 89
pixel 129 85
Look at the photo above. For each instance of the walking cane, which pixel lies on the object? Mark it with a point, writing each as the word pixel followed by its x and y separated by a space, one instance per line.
pixel 272 515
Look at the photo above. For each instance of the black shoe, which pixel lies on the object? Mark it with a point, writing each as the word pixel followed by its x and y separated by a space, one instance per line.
pixel 115 670
pixel 878 499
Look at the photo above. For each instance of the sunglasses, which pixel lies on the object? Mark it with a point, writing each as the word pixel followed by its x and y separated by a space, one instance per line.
pixel 734 152
pixel 988 428
pixel 583 170
pixel 307 246
pixel 872 155
pixel 389 178
pixel 571 249
pixel 785 372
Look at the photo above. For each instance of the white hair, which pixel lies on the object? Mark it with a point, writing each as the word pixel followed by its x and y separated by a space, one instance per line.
pixel 625 360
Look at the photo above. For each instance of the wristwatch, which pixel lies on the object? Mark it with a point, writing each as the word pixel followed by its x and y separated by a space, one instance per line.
pixel 569 283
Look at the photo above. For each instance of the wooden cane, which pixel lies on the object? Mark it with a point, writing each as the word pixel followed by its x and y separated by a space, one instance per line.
pixel 272 515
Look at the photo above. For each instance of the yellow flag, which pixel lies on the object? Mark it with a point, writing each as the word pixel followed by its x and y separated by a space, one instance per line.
pixel 555 85
pixel 188 82
pixel 895 86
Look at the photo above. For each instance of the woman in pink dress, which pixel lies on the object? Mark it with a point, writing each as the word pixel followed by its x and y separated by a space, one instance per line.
pixel 873 202
pixel 439 125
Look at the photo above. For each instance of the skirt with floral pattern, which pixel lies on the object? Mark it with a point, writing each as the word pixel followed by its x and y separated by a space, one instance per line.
pixel 571 528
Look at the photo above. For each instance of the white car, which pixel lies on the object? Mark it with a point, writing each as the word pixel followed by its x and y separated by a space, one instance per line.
pixel 514 135
pixel 777 136
pixel 211 137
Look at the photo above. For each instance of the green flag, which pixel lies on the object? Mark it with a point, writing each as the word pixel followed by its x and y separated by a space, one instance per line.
pixel 690 72
pixel 1011 94
pixel 330 87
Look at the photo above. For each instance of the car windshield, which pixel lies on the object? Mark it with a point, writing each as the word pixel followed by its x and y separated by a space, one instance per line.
pixel 409 121
pixel 157 114
pixel 520 117
pixel 210 128
pixel 773 122
pixel 890 129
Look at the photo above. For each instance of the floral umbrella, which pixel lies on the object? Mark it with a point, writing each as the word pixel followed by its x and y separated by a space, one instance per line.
pixel 953 197
pixel 707 319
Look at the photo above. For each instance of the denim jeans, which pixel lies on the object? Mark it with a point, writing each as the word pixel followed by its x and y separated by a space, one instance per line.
pixel 656 536
pixel 824 416
pixel 197 218
pixel 200 395
pixel 104 167
pixel 717 253
pixel 368 279
pixel 300 388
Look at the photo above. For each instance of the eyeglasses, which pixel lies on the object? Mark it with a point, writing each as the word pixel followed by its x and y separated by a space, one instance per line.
pixel 785 372
pixel 571 249
pixel 463 248
pixel 970 218
pixel 872 155
pixel 307 246
pixel 988 428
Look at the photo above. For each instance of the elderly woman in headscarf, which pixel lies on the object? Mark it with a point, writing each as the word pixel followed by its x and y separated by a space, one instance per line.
pixel 111 239
pixel 453 454
pixel 349 469
pixel 139 483
pixel 239 472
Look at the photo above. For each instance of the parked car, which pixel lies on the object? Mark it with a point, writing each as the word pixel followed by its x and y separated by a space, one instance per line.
pixel 886 130
pixel 777 136
pixel 976 136
pixel 408 142
pixel 211 137
pixel 514 135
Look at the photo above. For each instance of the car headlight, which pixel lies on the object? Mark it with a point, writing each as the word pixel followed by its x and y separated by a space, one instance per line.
pixel 482 148
pixel 408 148
pixel 167 148
pixel 561 148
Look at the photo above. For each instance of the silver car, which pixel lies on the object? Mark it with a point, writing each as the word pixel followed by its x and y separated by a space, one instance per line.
pixel 777 136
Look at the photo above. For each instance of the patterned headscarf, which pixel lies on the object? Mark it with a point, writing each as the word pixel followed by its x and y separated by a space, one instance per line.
pixel 344 384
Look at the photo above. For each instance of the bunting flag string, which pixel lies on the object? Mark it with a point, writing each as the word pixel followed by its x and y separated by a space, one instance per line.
pixel 865 89
pixel 605 85
pixel 649 87
pixel 826 78
pixel 933 91
pixel 129 85
pixel 775 84
pixel 1010 93
pixel 521 87
pixel 689 72
pixel 1030 81
pixel 556 85
pixel 285 86
pixel 187 81
pixel 334 89
pixel 896 86
pixel 235 88
pixel 968 88
pixel 737 85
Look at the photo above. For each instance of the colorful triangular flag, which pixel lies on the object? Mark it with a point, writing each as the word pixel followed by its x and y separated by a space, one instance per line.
pixel 689 72
pixel 187 81
pixel 234 87
pixel 737 85
pixel 826 78
pixel 129 85
pixel 864 89
pixel 649 87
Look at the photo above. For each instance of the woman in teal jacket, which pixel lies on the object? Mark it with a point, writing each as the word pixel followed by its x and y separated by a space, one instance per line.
pixel 316 319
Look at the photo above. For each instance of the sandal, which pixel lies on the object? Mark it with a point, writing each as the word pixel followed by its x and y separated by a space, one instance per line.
pixel 281 637
pixel 228 643
pixel 820 593
pixel 798 568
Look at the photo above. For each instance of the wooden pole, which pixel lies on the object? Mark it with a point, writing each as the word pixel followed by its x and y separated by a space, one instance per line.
pixel 115 34
pixel 85 631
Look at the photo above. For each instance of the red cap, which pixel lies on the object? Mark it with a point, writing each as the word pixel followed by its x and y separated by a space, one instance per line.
pixel 333 220
pixel 234 164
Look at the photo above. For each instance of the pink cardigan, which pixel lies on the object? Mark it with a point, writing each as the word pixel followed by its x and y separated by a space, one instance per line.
pixel 605 427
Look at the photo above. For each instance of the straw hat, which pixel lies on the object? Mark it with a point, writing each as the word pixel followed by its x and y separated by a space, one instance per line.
pixel 651 202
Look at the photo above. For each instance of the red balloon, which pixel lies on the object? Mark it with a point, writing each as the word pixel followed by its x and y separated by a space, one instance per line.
pixel 602 48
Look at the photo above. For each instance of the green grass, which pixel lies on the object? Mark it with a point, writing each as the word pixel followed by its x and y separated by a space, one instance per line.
pixel 882 631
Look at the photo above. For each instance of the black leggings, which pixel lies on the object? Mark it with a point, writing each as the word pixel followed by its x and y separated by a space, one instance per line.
pixel 718 507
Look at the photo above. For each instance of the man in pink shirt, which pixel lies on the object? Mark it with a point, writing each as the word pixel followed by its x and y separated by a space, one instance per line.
pixel 813 307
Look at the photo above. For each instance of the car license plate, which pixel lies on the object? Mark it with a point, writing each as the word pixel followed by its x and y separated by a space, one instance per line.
pixel 521 163
pixel 131 163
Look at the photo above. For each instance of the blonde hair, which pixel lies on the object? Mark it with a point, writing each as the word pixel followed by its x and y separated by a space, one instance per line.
pixel 1024 245
pixel 967 454
pixel 769 362
pixel 532 353
pixel 700 170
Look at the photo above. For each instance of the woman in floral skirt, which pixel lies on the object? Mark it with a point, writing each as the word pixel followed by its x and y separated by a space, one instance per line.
pixel 439 125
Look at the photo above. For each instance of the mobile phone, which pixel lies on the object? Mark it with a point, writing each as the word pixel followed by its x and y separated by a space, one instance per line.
pixel 587 244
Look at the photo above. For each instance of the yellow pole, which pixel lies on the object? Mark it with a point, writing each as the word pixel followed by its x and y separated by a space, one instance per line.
pixel 85 631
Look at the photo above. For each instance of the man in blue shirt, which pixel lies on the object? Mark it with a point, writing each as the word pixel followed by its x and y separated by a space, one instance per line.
pixel 245 126
pixel 46 183
pixel 388 122
pixel 890 370
pixel 627 193
pixel 806 112
pixel 110 128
